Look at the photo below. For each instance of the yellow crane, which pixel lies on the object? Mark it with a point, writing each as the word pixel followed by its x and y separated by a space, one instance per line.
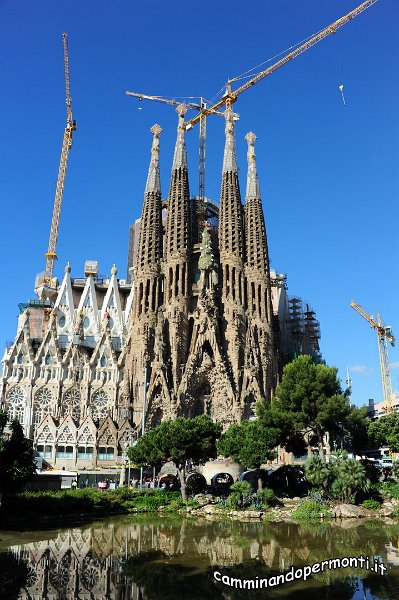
pixel 231 96
pixel 201 212
pixel 51 254
pixel 384 335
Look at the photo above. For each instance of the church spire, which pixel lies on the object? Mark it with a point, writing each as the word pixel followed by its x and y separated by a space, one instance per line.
pixel 229 158
pixel 253 190
pixel 153 179
pixel 257 256
pixel 256 241
pixel 180 156
pixel 231 234
pixel 178 220
pixel 149 250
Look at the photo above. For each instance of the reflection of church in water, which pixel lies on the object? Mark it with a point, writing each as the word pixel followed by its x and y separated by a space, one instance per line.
pixel 95 562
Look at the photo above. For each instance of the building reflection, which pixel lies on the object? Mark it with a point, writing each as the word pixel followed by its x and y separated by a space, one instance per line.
pixel 137 560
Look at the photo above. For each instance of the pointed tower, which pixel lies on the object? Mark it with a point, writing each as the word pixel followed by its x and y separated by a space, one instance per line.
pixel 257 296
pixel 231 247
pixel 177 254
pixel 147 280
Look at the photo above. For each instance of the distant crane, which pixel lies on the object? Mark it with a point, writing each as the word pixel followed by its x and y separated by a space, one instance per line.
pixel 384 335
pixel 51 254
pixel 231 96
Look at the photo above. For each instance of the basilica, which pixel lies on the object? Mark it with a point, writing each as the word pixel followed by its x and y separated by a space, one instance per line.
pixel 200 325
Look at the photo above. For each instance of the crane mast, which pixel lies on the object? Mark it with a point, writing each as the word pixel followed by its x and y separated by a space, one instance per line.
pixel 231 96
pixel 51 254
pixel 384 335
pixel 201 209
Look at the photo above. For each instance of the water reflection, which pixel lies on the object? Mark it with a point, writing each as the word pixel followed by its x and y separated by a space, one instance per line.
pixel 151 559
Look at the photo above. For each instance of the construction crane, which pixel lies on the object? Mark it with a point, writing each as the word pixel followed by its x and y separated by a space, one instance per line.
pixel 231 96
pixel 201 212
pixel 384 335
pixel 51 254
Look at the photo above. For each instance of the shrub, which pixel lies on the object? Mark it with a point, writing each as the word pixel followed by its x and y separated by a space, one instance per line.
pixel 394 491
pixel 310 509
pixel 371 504
pixel 350 479
pixel 317 471
pixel 395 469
pixel 266 497
pixel 240 496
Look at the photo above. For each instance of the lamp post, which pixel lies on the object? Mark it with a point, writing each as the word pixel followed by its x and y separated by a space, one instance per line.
pixel 123 470
pixel 125 461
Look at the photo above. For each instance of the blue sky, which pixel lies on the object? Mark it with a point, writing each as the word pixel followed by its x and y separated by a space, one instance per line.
pixel 328 172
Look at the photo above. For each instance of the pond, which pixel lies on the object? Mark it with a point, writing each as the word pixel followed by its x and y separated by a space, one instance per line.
pixel 153 558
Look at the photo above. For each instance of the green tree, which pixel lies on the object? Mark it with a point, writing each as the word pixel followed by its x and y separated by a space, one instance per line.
pixel 178 441
pixel 309 398
pixel 317 472
pixel 342 477
pixel 357 426
pixel 17 463
pixel 251 443
pixel 385 431
pixel 348 478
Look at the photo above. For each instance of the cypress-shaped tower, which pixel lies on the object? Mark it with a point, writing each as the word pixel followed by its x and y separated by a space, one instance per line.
pixel 232 254
pixel 177 256
pixel 259 372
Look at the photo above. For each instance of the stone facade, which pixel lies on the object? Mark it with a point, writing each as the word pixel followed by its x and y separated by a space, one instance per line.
pixel 202 330
pixel 64 373
pixel 199 329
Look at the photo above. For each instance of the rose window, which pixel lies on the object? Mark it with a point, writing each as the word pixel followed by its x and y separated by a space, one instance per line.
pixel 99 405
pixel 15 396
pixel 72 403
pixel 15 400
pixel 43 397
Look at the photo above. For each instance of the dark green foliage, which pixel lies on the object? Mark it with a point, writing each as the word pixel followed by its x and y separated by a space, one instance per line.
pixel 356 434
pixel 349 479
pixel 344 478
pixel 13 575
pixel 371 504
pixel 177 441
pixel 266 497
pixel 385 431
pixel 317 472
pixel 240 495
pixel 395 469
pixel 151 502
pixel 17 463
pixel 308 398
pixel 251 443
pixel 88 501
pixel 394 491
pixel 310 509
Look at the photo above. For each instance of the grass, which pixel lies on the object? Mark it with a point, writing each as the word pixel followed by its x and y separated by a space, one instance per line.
pixel 90 502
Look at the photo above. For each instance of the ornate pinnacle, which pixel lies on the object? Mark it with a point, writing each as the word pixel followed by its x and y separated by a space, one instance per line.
pixel 206 260
pixel 153 179
pixel 114 269
pixel 229 159
pixel 68 267
pixel 253 190
pixel 180 156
